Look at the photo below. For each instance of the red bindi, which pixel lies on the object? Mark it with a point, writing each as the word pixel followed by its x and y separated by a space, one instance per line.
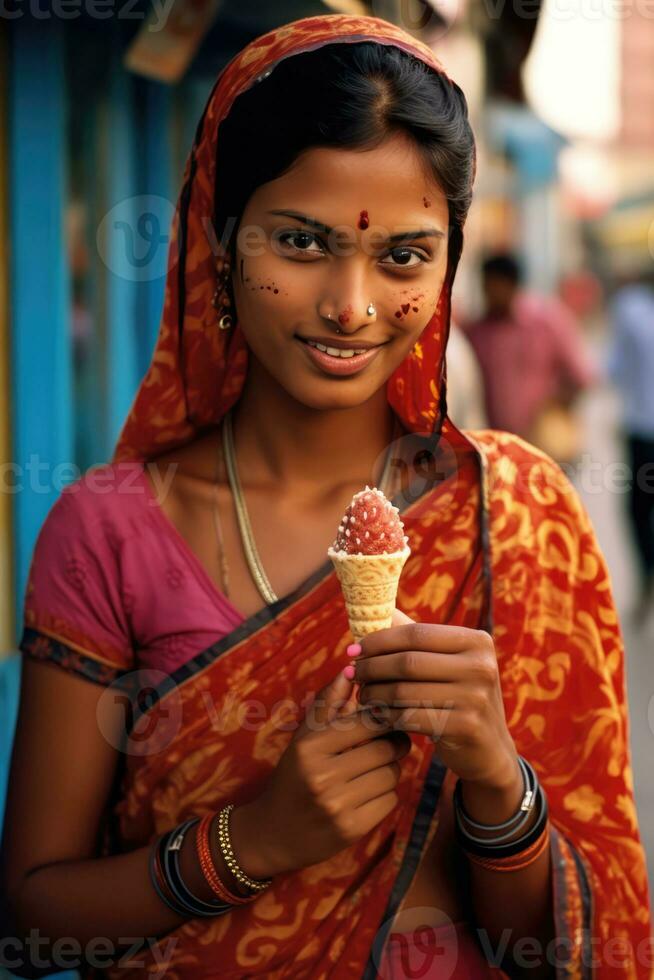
pixel 364 220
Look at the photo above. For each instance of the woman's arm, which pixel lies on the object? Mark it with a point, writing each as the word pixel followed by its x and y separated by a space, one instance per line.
pixel 517 901
pixel 63 767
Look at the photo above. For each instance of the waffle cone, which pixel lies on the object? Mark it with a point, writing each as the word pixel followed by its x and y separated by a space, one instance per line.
pixel 369 584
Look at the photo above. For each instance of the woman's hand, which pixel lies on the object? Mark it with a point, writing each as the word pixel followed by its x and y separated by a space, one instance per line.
pixel 333 784
pixel 442 681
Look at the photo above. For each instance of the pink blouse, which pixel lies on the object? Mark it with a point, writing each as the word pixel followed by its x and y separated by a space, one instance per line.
pixel 113 586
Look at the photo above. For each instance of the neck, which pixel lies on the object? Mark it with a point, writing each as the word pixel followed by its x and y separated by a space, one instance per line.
pixel 303 450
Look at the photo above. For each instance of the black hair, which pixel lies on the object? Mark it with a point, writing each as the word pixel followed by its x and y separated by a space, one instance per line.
pixel 503 265
pixel 352 96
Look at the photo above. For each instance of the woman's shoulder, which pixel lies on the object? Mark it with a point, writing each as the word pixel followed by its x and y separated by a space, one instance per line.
pixel 504 451
pixel 107 492
pixel 99 507
pixel 529 476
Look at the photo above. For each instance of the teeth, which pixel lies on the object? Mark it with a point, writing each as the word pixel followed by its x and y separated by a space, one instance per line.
pixel 334 351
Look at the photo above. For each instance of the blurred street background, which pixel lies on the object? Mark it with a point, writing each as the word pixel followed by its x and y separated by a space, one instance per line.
pixel 98 107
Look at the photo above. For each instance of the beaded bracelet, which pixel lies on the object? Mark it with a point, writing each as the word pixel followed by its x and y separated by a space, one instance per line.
pixel 228 854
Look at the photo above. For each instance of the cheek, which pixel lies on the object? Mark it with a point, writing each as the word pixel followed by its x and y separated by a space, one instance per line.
pixel 269 277
pixel 415 305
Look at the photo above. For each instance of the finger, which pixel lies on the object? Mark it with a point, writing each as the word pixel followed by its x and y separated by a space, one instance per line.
pixel 352 702
pixel 381 751
pixel 418 666
pixel 346 731
pixel 326 704
pixel 443 722
pixel 405 695
pixel 370 785
pixel 433 637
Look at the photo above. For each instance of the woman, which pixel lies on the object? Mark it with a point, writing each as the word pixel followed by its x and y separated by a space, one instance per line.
pixel 324 197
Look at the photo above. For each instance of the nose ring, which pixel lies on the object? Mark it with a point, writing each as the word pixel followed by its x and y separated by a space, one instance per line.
pixel 370 311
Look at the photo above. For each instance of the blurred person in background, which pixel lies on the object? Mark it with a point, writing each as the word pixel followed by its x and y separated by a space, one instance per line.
pixel 532 358
pixel 465 384
pixel 631 369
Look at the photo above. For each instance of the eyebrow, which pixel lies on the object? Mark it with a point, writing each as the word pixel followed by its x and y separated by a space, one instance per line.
pixel 403 236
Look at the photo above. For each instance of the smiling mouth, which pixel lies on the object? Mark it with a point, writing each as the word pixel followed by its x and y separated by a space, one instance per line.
pixel 340 363
pixel 339 352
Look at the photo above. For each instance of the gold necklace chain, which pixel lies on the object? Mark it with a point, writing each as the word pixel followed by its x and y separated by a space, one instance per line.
pixel 245 528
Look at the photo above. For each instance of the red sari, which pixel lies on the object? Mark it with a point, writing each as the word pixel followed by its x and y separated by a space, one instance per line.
pixel 499 541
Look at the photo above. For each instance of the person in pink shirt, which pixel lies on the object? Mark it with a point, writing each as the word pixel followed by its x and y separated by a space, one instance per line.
pixel 530 351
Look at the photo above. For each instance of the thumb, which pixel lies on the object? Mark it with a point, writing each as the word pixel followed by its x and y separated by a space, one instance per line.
pixel 400 618
pixel 327 703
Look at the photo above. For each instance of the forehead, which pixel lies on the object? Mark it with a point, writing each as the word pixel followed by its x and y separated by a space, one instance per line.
pixel 390 181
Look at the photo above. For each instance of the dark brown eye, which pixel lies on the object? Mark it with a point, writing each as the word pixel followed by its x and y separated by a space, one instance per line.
pixel 402 257
pixel 300 240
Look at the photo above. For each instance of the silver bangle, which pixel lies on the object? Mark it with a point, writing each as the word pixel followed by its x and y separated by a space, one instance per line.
pixel 515 823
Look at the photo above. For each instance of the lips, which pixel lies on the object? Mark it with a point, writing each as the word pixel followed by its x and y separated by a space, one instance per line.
pixel 339 366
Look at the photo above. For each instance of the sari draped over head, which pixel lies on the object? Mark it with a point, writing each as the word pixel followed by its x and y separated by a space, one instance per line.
pixel 499 541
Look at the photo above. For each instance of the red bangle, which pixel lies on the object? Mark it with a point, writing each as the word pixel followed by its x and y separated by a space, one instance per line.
pixel 517 861
pixel 209 869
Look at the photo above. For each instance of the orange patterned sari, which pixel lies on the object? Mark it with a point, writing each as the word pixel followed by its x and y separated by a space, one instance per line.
pixel 499 541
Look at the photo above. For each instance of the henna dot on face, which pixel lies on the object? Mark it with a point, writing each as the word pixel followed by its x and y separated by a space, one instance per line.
pixel 426 202
pixel 406 307
pixel 364 220
pixel 415 309
pixel 398 314
pixel 275 290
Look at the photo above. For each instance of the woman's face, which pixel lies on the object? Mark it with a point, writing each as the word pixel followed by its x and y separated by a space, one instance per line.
pixel 359 227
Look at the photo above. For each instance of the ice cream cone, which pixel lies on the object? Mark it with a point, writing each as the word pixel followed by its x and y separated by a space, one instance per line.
pixel 369 584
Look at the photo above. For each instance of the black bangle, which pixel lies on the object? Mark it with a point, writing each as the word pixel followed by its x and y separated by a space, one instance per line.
pixel 190 904
pixel 515 847
pixel 153 878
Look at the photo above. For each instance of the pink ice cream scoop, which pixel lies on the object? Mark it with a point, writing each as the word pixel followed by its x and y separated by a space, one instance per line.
pixel 370 526
pixel 368 555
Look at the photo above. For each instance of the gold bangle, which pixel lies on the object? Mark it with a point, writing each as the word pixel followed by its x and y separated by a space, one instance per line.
pixel 228 853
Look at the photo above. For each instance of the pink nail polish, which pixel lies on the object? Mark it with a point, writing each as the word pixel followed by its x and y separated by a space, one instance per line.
pixel 348 672
pixel 353 650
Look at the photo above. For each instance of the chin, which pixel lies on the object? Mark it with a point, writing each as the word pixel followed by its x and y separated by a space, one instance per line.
pixel 343 393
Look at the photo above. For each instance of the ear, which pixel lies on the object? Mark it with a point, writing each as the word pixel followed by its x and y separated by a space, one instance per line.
pixel 400 618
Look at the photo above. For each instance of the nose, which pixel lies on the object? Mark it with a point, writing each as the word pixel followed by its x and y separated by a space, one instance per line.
pixel 348 303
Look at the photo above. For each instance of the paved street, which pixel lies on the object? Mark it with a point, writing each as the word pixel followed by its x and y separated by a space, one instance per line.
pixel 601 413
